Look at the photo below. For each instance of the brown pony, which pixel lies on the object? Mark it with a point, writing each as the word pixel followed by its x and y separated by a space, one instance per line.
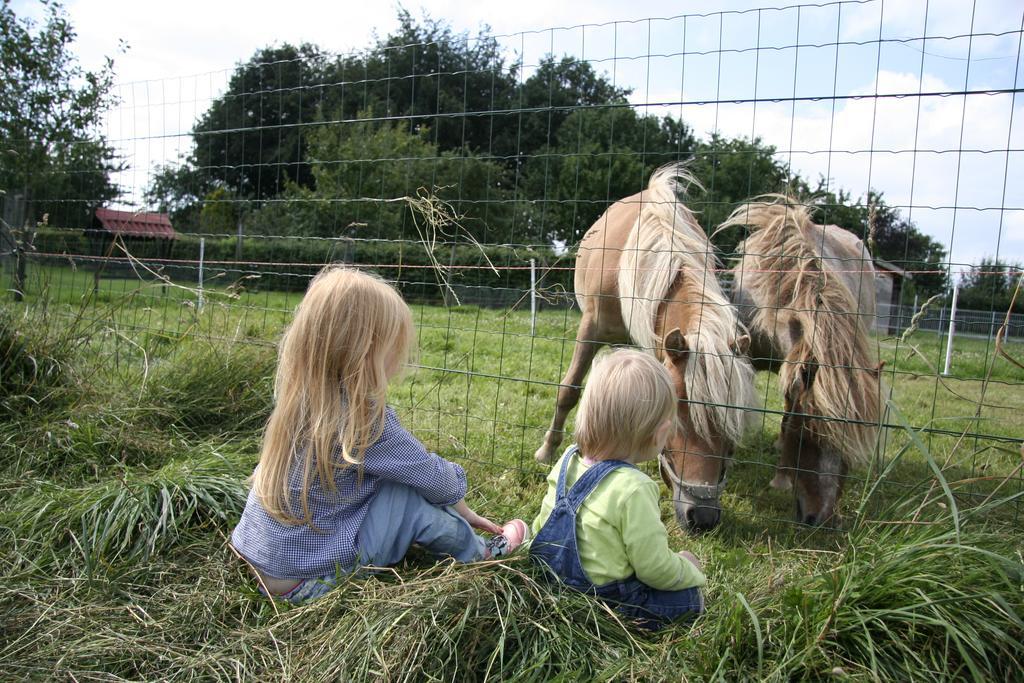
pixel 645 274
pixel 806 292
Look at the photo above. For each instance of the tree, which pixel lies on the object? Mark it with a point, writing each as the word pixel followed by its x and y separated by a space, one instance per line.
pixel 540 107
pixel 989 286
pixel 898 241
pixel 364 169
pixel 733 170
pixel 601 154
pixel 219 215
pixel 50 111
pixel 252 139
pixel 428 76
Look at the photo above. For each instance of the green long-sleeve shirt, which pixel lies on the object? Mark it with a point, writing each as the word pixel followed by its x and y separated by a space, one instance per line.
pixel 619 531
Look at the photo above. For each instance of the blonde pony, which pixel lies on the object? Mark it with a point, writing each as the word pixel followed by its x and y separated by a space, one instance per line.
pixel 352 332
pixel 628 396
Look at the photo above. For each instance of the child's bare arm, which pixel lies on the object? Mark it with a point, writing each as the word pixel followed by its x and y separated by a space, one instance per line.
pixel 476 521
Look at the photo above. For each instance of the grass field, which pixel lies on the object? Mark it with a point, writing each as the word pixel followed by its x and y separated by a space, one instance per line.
pixel 129 420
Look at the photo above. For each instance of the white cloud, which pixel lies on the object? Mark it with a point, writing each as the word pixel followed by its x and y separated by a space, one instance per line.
pixel 970 174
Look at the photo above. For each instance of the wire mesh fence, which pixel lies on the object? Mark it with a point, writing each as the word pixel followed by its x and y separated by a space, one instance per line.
pixel 466 170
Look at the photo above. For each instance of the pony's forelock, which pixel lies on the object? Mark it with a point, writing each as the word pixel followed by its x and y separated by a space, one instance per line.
pixel 781 265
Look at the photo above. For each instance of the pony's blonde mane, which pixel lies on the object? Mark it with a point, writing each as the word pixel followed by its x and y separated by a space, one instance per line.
pixel 666 244
pixel 796 289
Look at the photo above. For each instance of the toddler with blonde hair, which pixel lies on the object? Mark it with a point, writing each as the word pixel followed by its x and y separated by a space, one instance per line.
pixel 340 484
pixel 599 528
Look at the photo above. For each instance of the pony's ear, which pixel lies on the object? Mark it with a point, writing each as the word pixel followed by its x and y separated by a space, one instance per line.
pixel 675 345
pixel 877 372
pixel 740 345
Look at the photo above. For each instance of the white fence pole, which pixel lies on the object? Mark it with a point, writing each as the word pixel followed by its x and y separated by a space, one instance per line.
pixel 533 297
pixel 202 254
pixel 952 327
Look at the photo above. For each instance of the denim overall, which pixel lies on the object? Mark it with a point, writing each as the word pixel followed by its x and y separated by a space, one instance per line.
pixel 555 547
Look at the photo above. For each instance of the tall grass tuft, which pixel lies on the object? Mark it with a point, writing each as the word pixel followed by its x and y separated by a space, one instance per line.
pixel 916 601
pixel 132 514
pixel 33 364
pixel 902 600
pixel 206 387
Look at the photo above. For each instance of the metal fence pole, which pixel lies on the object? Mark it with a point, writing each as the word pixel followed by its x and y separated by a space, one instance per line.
pixel 238 244
pixel 952 327
pixel 533 297
pixel 202 254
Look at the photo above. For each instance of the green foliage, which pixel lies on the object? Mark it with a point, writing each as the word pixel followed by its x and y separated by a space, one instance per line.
pixel 733 170
pixel 430 76
pixel 898 241
pixel 544 103
pixel 177 189
pixel 251 139
pixel 399 117
pixel 219 214
pixel 210 388
pixel 50 114
pixel 33 364
pixel 990 286
pixel 367 167
pixel 602 154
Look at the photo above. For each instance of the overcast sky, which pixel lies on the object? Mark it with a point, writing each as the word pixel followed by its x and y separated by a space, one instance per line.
pixel 181 54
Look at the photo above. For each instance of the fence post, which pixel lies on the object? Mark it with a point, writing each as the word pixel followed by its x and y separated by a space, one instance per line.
pixel 25 245
pixel 952 327
pixel 238 245
pixel 12 245
pixel 202 254
pixel 533 297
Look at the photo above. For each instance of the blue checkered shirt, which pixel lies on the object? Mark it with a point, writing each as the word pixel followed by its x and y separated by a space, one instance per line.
pixel 299 552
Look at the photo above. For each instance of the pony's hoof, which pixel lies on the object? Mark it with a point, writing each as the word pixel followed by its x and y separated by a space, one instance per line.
pixel 781 482
pixel 543 455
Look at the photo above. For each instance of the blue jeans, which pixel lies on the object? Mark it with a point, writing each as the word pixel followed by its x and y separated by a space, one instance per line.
pixel 652 608
pixel 397 518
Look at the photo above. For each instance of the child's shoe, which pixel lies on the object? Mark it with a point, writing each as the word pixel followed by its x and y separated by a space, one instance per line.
pixel 511 537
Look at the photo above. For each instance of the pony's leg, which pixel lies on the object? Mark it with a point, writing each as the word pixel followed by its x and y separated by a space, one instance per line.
pixel 785 468
pixel 569 392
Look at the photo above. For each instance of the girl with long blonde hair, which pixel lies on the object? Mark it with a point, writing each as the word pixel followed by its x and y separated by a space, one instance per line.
pixel 340 483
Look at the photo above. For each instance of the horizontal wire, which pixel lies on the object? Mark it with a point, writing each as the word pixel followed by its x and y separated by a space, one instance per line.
pixel 447 267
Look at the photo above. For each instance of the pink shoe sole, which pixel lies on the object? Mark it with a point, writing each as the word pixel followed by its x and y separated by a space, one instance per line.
pixel 516 532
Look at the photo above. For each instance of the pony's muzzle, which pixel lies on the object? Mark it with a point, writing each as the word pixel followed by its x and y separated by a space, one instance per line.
pixel 697 505
pixel 698 516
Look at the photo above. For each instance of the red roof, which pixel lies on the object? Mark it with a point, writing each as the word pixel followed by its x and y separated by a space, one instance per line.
pixel 135 224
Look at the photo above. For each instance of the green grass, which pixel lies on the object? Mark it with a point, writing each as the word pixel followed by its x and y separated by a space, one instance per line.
pixel 121 487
